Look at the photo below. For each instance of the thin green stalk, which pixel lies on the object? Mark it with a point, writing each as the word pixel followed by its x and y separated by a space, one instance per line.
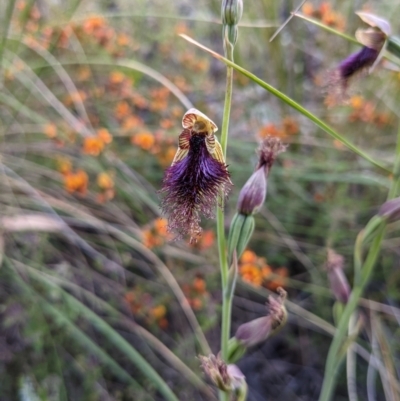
pixel 223 260
pixel 226 299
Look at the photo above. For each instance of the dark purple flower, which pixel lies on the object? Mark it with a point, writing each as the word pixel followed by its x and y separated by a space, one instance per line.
pixel 197 176
pixel 373 39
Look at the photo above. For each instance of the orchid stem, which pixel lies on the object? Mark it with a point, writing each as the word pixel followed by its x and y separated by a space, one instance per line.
pixel 226 297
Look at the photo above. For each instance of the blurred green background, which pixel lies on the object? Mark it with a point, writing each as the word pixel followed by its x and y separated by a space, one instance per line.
pixel 93 291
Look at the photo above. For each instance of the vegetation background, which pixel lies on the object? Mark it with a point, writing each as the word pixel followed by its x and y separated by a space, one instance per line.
pixel 96 300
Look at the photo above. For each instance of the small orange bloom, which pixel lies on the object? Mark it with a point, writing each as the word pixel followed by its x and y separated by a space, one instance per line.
pixel 93 146
pixel 356 102
pixel 93 24
pixel 158 312
pixel 50 130
pixel 248 257
pixel 123 39
pixel 166 123
pixel 105 181
pixel 270 130
pixel 156 234
pixel 76 182
pixel 308 9
pixel 116 77
pixel 196 303
pixel 144 140
pixel 251 274
pixel 279 281
pixel 104 135
pixel 131 122
pixel 122 110
pixel 290 126
pixel 199 285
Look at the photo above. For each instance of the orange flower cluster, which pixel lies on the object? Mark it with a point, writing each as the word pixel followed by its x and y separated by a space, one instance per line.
pixel 196 293
pixel 325 13
pixel 287 128
pixel 76 181
pixel 94 145
pixel 366 111
pixel 141 304
pixel 206 241
pixel 256 271
pixel 156 234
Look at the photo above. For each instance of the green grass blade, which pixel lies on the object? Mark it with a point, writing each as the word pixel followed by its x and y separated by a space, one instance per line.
pixel 114 337
pixel 329 130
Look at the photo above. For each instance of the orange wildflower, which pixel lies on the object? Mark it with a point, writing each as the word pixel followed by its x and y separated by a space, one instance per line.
pixel 248 257
pixel 144 140
pixel 196 303
pixel 165 156
pixel 156 234
pixel 290 126
pixel 105 181
pixel 116 77
pixel 270 130
pixel 93 146
pixel 158 312
pixel 104 135
pixel 93 24
pixel 64 165
pixel 50 130
pixel 139 101
pixel 123 39
pixel 356 102
pixel 76 182
pixel 122 109
pixel 206 240
pixel 280 281
pixel 251 274
pixel 199 285
pixel 308 9
pixel 131 122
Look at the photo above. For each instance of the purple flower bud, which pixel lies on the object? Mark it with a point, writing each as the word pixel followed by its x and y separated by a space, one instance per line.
pixel 258 330
pixel 253 193
pixel 338 281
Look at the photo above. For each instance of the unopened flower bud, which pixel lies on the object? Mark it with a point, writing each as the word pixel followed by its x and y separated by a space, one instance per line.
pixel 252 195
pixel 338 281
pixel 225 377
pixel 258 330
pixel 390 210
pixel 231 12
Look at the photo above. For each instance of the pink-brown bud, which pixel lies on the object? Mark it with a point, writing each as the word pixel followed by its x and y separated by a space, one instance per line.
pixel 258 330
pixel 338 281
pixel 253 193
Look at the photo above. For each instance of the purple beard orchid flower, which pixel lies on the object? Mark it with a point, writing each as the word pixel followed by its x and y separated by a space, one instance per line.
pixel 197 176
pixel 373 40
